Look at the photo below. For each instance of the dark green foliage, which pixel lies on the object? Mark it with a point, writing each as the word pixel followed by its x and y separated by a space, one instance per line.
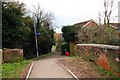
pixel 18 31
pixel 114 42
pixel 45 41
pixel 12 21
pixel 65 46
pixel 69 33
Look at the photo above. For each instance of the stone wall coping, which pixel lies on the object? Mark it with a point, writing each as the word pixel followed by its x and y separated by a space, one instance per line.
pixel 13 49
pixel 101 46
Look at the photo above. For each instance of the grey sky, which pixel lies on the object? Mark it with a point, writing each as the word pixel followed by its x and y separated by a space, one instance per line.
pixel 69 12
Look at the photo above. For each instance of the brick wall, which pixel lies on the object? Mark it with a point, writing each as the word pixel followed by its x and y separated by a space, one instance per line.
pixel 105 56
pixel 119 34
pixel 1 59
pixel 12 55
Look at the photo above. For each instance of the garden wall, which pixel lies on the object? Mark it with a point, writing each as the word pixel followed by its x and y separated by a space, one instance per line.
pixel 105 56
pixel 12 55
pixel 1 64
pixel 1 60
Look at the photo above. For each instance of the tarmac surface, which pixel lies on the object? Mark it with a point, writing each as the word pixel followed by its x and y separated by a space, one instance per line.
pixel 49 68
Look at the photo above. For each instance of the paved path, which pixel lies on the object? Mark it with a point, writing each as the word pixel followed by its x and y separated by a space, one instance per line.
pixel 48 68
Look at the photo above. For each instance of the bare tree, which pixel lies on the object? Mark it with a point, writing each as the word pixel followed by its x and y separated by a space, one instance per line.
pixel 99 19
pixel 42 17
pixel 108 9
pixel 105 18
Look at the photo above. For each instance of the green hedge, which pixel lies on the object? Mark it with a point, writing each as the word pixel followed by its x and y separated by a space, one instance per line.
pixel 64 46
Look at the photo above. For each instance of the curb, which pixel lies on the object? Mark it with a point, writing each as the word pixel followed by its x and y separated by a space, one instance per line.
pixel 69 71
pixel 28 74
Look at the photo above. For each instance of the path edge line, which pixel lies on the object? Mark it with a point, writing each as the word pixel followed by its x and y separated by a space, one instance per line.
pixel 30 69
pixel 70 72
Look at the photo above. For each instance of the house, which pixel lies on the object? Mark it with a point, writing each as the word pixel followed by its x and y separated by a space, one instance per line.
pixel 87 23
pixel 117 27
pixel 86 31
pixel 60 35
pixel 90 32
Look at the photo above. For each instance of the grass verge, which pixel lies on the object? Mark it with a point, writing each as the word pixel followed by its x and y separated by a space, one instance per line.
pixel 43 56
pixel 102 71
pixel 13 70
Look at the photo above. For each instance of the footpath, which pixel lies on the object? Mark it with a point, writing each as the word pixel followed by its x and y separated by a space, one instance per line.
pixel 49 68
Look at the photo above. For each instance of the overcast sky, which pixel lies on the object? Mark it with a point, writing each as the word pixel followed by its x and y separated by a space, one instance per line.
pixel 69 12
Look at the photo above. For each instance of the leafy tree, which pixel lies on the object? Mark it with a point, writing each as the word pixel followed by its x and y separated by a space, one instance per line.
pixel 18 30
pixel 12 14
pixel 44 26
pixel 46 40
pixel 70 36
pixel 69 33
pixel 28 38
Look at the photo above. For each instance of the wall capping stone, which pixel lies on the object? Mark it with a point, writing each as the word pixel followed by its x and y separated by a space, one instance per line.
pixel 101 46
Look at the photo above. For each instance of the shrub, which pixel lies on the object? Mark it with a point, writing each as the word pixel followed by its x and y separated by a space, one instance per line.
pixel 64 46
pixel 114 42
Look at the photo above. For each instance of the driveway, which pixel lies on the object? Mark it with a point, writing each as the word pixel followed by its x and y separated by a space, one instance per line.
pixel 49 68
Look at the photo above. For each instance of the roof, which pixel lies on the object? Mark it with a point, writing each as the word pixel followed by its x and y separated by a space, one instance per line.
pixel 115 25
pixel 58 35
pixel 83 24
